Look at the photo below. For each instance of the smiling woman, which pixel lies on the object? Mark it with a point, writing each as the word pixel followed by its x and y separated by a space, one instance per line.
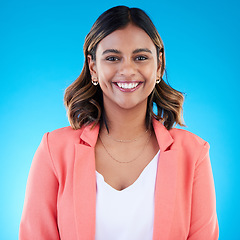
pixel 103 46
pixel 121 171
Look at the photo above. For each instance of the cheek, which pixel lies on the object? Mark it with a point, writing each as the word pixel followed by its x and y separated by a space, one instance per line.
pixel 105 73
pixel 150 74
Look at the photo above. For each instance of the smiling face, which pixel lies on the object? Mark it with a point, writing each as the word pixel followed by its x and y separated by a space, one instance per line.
pixel 126 67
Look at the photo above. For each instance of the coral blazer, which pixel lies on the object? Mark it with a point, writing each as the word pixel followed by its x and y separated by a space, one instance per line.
pixel 60 200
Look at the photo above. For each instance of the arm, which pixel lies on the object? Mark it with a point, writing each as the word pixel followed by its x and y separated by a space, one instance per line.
pixel 204 224
pixel 39 217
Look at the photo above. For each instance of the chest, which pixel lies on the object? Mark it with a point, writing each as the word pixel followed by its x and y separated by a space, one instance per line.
pixel 122 174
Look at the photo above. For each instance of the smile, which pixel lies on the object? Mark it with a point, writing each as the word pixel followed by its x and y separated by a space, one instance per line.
pixel 128 86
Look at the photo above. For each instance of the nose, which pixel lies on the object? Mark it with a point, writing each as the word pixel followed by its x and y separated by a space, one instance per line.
pixel 127 68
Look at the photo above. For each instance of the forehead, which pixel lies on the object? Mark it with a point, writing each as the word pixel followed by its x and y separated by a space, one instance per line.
pixel 126 39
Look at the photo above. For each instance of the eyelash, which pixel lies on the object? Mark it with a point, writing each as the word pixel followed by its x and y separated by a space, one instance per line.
pixel 142 58
pixel 112 58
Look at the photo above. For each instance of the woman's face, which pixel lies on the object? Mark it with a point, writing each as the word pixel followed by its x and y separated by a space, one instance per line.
pixel 126 67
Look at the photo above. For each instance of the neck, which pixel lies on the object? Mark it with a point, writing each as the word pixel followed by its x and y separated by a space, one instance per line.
pixel 125 123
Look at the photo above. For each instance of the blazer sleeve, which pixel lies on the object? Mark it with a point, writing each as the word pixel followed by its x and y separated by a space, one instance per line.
pixel 39 217
pixel 204 224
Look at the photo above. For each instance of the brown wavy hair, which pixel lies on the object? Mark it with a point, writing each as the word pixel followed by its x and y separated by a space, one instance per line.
pixel 84 101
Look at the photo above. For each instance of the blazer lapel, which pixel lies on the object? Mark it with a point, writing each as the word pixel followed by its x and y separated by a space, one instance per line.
pixel 166 183
pixel 84 184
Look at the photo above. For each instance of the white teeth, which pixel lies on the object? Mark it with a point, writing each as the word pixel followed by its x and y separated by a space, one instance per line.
pixel 127 85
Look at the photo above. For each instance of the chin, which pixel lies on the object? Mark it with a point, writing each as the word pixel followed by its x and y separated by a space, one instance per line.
pixel 132 105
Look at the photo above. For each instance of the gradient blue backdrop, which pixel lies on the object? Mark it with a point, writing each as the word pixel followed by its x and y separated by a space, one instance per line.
pixel 41 54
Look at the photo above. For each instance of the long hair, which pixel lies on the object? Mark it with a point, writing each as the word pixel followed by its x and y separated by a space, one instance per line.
pixel 84 101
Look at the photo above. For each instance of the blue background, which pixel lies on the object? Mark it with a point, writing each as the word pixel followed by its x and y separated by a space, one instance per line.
pixel 41 54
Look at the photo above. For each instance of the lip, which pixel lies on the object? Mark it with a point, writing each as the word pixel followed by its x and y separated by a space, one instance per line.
pixel 127 82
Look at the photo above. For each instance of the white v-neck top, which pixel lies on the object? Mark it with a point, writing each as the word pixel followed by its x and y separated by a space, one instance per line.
pixel 127 214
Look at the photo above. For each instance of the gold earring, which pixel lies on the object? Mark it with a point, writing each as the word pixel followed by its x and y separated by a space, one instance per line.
pixel 158 81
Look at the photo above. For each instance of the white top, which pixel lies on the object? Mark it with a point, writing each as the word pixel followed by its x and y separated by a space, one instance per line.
pixel 127 214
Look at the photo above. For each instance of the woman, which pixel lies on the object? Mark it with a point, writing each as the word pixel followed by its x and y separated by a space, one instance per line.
pixel 121 171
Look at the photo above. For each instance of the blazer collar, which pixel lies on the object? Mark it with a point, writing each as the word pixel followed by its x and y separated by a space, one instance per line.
pixel 89 135
pixel 84 183
pixel 164 137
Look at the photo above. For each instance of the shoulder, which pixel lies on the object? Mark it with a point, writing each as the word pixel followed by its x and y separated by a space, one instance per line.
pixel 189 144
pixel 64 135
pixel 184 136
pixel 62 141
pixel 176 138
pixel 60 145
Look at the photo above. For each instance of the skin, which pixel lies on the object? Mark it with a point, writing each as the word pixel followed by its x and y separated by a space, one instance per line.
pixel 126 68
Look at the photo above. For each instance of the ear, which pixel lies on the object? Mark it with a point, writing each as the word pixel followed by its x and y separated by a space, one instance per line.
pixel 92 66
pixel 159 65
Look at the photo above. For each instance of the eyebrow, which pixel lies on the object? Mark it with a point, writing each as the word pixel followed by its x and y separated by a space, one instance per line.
pixel 111 51
pixel 138 50
pixel 142 50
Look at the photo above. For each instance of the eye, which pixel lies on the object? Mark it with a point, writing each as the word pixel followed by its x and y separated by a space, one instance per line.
pixel 112 58
pixel 141 58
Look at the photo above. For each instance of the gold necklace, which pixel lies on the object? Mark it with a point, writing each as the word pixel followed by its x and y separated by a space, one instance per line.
pixel 128 140
pixel 130 160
